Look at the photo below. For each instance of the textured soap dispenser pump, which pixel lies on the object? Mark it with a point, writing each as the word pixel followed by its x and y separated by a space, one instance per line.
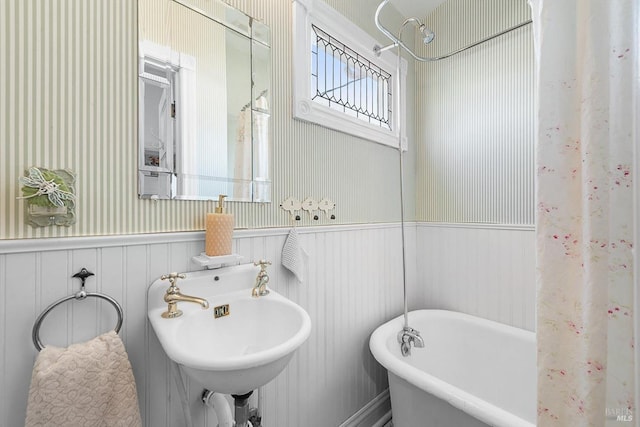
pixel 219 232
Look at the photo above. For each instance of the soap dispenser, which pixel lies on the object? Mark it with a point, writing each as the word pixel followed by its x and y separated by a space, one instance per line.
pixel 219 232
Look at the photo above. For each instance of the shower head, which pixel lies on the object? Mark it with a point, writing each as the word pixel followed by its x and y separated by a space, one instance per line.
pixel 427 34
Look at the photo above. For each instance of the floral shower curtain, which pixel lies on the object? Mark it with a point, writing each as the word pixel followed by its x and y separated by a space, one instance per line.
pixel 585 55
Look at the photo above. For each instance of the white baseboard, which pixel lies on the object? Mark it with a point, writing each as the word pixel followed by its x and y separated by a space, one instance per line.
pixel 374 414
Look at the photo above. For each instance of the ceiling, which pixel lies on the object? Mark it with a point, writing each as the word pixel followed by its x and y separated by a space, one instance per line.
pixel 416 8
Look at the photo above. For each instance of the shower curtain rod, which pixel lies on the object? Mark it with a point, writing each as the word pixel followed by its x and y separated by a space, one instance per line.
pixel 397 41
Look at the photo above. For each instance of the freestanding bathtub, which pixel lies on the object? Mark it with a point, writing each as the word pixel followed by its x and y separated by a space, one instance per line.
pixel 471 372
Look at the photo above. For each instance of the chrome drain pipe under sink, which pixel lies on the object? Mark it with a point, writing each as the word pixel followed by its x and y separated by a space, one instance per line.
pixel 220 405
pixel 241 406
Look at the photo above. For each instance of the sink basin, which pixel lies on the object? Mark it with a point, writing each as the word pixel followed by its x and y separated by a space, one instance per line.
pixel 236 353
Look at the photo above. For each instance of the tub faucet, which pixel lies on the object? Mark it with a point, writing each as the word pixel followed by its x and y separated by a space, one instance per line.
pixel 408 336
pixel 260 288
pixel 173 295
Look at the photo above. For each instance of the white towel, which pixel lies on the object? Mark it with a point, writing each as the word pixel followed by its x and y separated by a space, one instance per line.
pixel 87 384
pixel 294 256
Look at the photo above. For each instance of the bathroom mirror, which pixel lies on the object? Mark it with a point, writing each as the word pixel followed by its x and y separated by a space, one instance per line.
pixel 204 76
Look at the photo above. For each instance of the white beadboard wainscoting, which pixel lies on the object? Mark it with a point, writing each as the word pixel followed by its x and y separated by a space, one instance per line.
pixel 353 285
pixel 483 270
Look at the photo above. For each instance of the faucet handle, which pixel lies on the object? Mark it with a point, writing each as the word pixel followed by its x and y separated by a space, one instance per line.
pixel 263 263
pixel 173 277
pixel 260 288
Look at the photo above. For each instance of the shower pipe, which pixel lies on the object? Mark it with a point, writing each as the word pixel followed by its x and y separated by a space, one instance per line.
pixel 408 335
pixel 398 42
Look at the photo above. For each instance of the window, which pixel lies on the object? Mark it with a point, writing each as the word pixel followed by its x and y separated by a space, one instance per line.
pixel 339 83
pixel 344 80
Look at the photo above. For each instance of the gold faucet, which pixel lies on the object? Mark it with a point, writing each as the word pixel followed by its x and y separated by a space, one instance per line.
pixel 173 295
pixel 260 288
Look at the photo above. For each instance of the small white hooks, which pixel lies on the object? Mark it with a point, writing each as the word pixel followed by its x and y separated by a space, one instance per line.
pixel 310 205
pixel 326 205
pixel 291 205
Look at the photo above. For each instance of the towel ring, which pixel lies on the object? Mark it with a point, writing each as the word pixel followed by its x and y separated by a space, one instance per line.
pixel 80 295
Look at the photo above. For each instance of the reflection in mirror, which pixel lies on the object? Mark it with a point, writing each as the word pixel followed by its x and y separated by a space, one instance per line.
pixel 204 102
pixel 261 101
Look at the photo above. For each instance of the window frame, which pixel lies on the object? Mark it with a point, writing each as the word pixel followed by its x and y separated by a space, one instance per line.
pixel 316 12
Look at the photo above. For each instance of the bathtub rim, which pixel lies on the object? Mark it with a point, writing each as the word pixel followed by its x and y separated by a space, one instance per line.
pixel 465 401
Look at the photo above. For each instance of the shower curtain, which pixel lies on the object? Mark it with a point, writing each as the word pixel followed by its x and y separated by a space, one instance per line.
pixel 585 54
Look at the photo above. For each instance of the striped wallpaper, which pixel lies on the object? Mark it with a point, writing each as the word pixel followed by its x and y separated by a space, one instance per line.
pixel 68 79
pixel 475 116
pixel 69 100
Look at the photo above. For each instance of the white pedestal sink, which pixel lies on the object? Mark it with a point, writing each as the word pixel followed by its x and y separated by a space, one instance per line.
pixel 236 353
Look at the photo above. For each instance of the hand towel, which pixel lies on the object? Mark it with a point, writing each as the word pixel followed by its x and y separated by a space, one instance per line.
pixel 87 384
pixel 294 256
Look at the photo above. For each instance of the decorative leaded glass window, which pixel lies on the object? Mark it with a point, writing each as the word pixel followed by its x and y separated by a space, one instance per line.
pixel 339 82
pixel 346 81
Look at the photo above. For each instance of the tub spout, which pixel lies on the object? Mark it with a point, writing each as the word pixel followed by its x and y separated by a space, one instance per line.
pixel 408 336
